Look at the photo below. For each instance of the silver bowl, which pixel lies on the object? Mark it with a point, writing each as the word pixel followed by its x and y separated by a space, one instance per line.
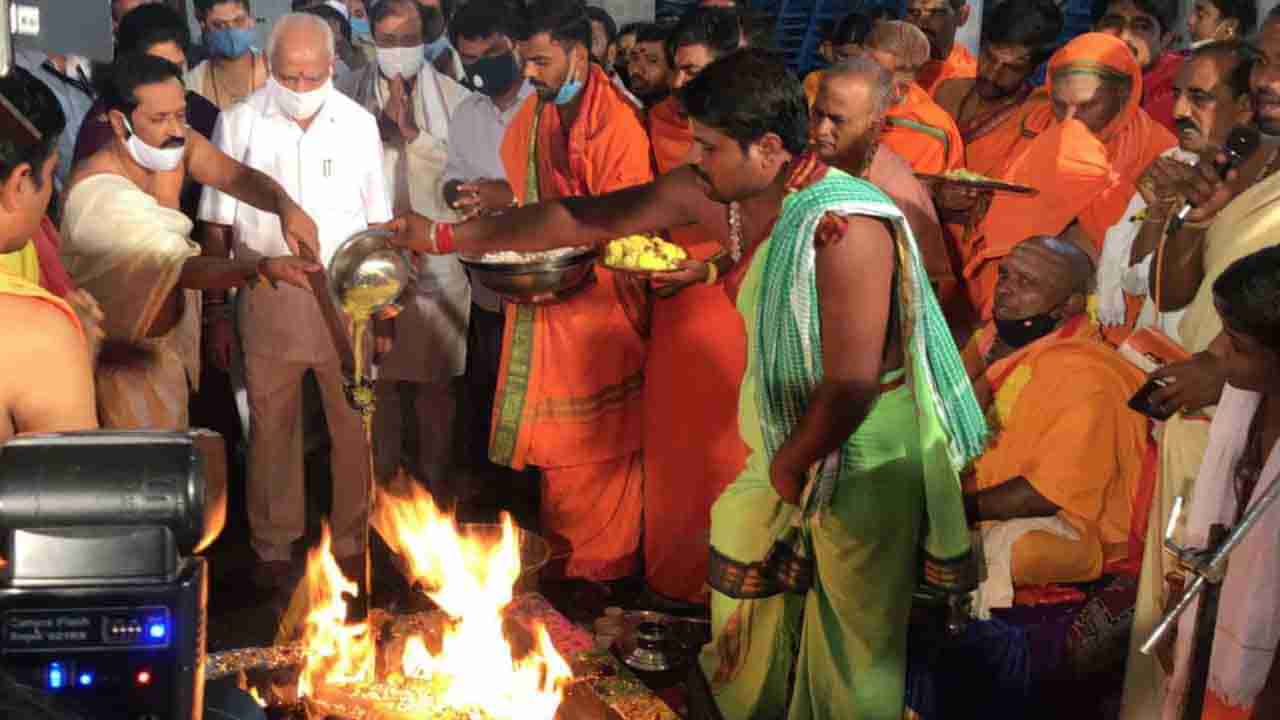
pixel 365 261
pixel 535 282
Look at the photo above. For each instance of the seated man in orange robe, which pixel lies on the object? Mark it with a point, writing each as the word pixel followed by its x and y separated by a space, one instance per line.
pixel 844 130
pixel 1017 36
pixel 948 59
pixel 1083 152
pixel 569 387
pixel 1058 480
pixel 915 127
pixel 697 354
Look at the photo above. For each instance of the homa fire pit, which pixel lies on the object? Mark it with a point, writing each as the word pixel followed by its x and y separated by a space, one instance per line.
pixel 601 687
pixel 483 654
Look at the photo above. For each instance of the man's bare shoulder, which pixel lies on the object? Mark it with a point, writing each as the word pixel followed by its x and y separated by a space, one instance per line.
pixel 37 325
pixel 950 94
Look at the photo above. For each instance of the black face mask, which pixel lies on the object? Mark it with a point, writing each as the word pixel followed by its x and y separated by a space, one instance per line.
pixel 492 75
pixel 1024 331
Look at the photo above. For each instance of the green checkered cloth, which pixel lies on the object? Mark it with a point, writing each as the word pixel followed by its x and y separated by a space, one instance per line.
pixel 952 426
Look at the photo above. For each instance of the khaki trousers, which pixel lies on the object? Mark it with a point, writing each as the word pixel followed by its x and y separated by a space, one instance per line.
pixel 276 491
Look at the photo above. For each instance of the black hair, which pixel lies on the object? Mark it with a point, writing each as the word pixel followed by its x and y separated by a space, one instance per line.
pixel 717 29
pixel 1248 296
pixel 146 26
pixel 653 32
pixel 630 28
pixel 1244 12
pixel 37 103
pixel 602 16
pixel 566 21
pixel 383 8
pixel 331 16
pixel 1033 24
pixel 747 94
pixel 852 28
pixel 1164 11
pixel 759 28
pixel 119 89
pixel 203 7
pixel 1235 52
pixel 482 18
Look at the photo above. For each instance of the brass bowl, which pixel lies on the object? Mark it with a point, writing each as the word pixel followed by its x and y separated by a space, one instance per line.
pixel 536 282
pixel 365 263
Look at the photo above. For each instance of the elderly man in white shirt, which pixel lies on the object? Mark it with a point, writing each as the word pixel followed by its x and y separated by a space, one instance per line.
pixel 413 103
pixel 475 182
pixel 325 151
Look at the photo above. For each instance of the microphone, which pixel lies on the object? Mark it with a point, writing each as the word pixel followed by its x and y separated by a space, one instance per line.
pixel 1241 144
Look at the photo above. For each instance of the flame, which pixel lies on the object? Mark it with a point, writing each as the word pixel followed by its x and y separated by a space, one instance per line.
pixel 257 697
pixel 338 652
pixel 470 577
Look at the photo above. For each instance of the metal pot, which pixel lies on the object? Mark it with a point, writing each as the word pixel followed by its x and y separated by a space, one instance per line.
pixel 536 282
pixel 535 552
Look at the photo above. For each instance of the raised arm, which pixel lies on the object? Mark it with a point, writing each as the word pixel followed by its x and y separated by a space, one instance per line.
pixel 210 166
pixel 854 276
pixel 673 200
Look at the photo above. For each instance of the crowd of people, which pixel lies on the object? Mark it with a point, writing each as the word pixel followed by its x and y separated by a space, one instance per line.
pixel 956 330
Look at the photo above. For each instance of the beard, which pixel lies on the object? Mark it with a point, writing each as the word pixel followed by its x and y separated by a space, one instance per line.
pixel 988 90
pixel 653 97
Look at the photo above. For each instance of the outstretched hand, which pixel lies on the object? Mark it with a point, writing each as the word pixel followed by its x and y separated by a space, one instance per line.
pixel 291 270
pixel 410 231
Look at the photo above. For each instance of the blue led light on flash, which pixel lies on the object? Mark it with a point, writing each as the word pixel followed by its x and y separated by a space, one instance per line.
pixel 57 677
pixel 86 679
pixel 156 631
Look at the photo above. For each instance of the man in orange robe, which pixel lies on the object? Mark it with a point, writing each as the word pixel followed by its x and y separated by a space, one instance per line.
pixel 1083 153
pixel 697 354
pixel 915 126
pixel 570 379
pixel 1017 36
pixel 1059 481
pixel 948 59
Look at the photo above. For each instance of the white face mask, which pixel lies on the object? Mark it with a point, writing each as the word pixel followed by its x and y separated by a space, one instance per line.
pixel 301 105
pixel 403 61
pixel 150 157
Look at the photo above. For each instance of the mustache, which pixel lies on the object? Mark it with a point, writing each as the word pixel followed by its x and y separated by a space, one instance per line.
pixel 1266 96
pixel 1185 124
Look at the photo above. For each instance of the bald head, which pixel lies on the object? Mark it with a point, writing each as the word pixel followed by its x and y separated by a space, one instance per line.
pixel 1043 274
pixel 1070 261
pixel 902 48
pixel 300 37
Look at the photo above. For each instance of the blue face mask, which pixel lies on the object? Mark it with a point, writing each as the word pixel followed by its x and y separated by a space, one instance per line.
pixel 231 42
pixel 436 48
pixel 360 28
pixel 569 90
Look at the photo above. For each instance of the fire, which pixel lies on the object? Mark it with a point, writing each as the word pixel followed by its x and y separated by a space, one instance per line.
pixel 338 652
pixel 470 577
